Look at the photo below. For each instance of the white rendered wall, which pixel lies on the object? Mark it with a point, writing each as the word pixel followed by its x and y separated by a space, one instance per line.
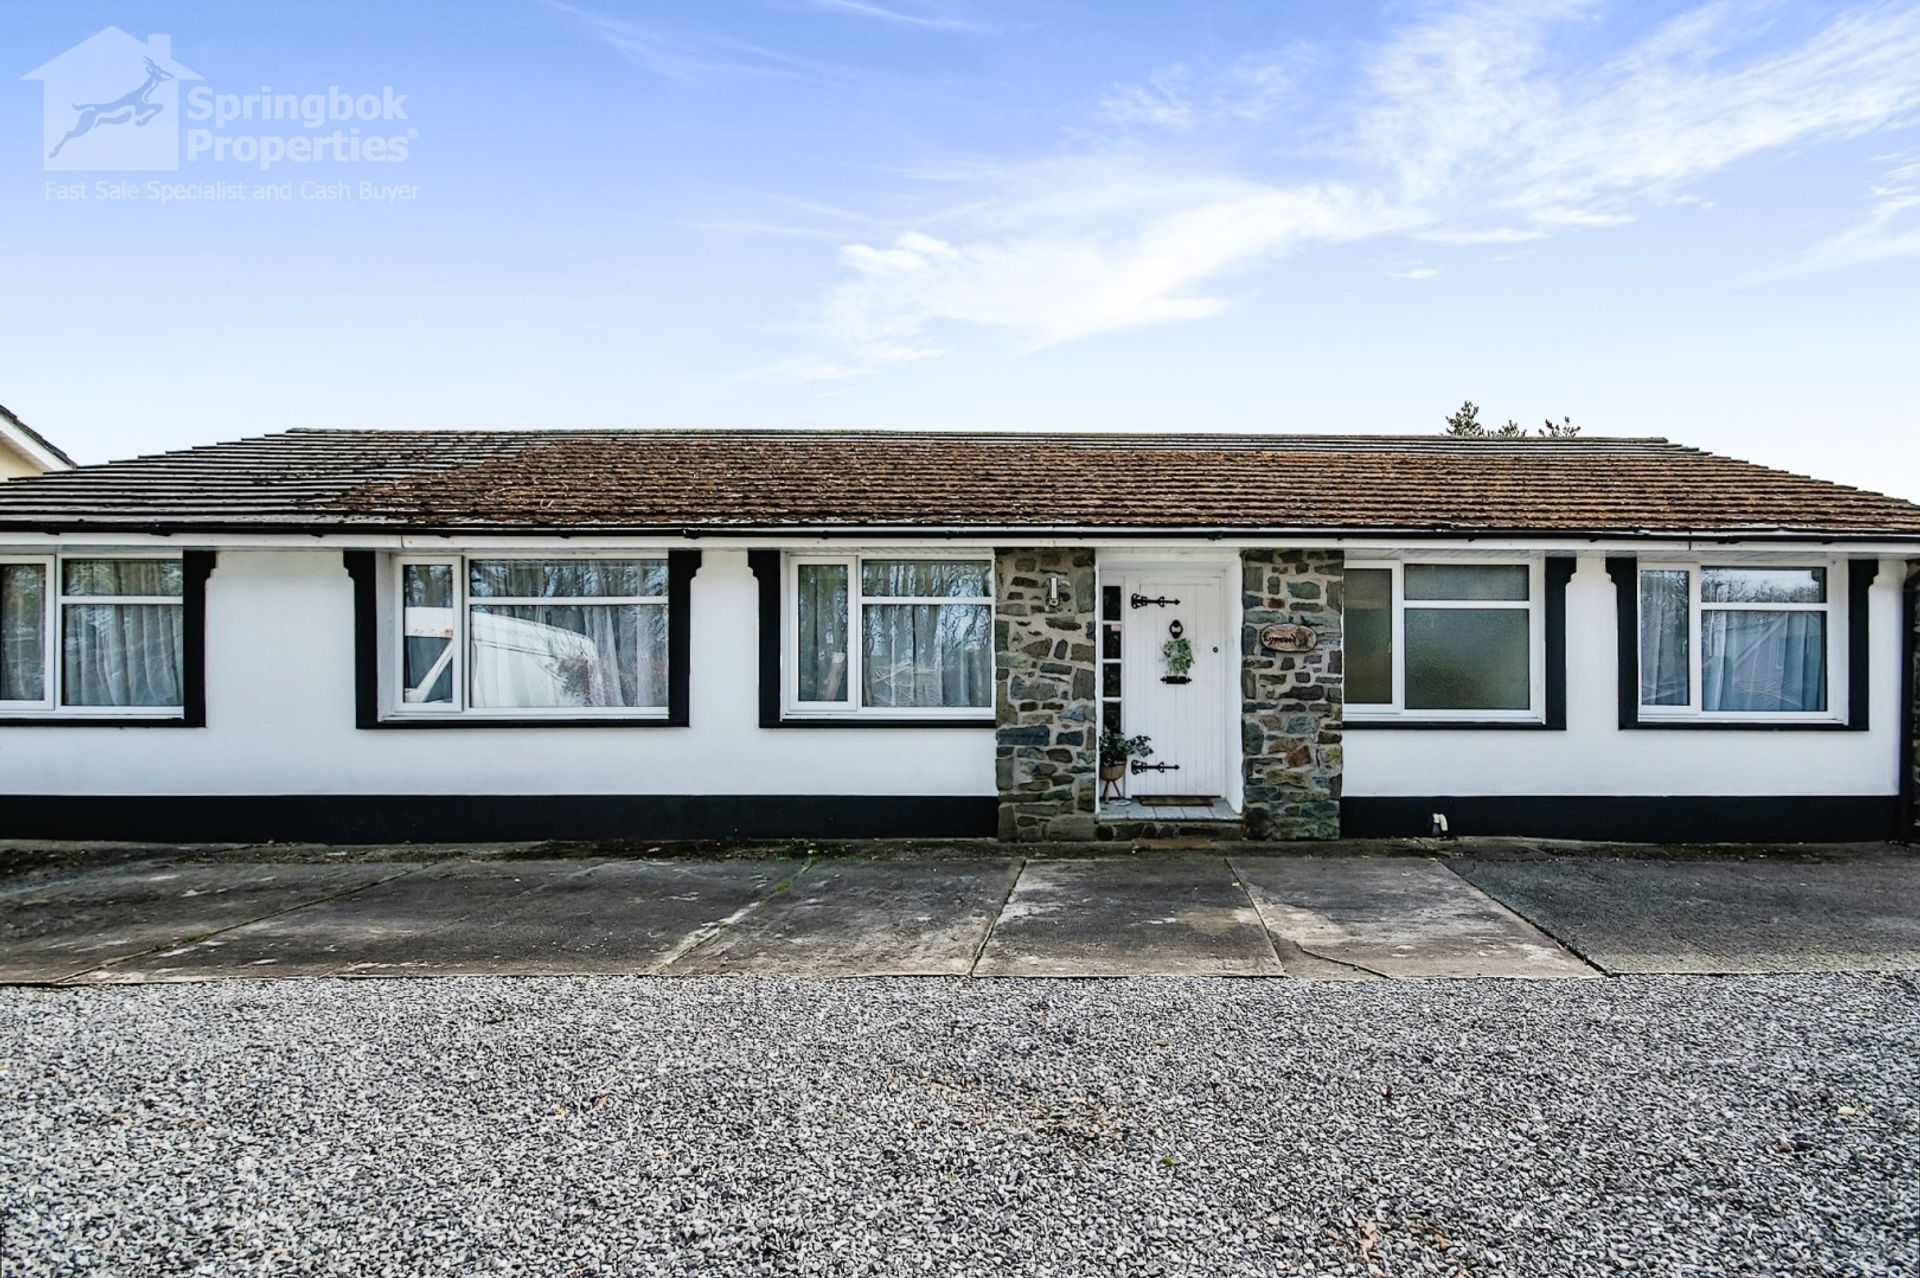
pixel 1594 757
pixel 280 689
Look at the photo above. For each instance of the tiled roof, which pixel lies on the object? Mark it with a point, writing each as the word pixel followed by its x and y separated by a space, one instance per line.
pixel 669 481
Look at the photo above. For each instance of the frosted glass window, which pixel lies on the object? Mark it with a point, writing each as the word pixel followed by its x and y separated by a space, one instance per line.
pixel 1369 636
pixel 1467 659
pixel 1466 581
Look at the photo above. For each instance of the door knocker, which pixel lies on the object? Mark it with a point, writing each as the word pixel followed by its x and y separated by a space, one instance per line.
pixel 1177 653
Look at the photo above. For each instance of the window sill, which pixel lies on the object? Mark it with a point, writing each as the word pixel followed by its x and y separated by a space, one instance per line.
pixel 875 721
pixel 1443 725
pixel 96 721
pixel 1743 725
pixel 587 721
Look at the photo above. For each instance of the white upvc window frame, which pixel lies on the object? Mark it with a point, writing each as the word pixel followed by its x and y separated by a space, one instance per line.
pixel 53 655
pixel 792 707
pixel 1534 605
pixel 397 707
pixel 1835 608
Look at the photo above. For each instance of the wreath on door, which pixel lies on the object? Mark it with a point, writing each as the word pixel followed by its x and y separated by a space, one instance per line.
pixel 1177 654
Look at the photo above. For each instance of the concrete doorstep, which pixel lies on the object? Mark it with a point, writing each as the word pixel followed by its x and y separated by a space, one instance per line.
pixel 1347 917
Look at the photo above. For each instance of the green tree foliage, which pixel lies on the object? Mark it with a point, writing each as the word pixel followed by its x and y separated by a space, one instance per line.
pixel 1464 423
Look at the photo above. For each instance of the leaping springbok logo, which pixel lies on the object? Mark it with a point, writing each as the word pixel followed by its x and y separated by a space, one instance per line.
pixel 128 108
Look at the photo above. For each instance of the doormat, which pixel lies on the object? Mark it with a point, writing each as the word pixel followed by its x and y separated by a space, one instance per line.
pixel 1175 801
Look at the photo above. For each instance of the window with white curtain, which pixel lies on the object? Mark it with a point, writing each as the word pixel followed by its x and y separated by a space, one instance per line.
pixel 889 636
pixel 490 636
pixel 1738 641
pixel 1444 640
pixel 91 635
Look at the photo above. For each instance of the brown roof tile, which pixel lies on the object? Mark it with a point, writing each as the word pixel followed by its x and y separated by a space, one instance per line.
pixel 753 480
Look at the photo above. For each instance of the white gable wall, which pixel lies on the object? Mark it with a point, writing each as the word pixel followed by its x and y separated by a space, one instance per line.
pixel 15 464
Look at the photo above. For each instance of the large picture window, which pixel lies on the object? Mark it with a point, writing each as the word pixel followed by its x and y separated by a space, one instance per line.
pixel 92 636
pixel 1443 641
pixel 485 636
pixel 1737 642
pixel 889 636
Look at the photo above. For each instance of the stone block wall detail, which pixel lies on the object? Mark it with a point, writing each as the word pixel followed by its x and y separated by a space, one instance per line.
pixel 1046 756
pixel 1293 703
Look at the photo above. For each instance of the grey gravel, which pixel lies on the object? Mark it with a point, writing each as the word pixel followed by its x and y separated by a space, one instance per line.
pixel 1659 1125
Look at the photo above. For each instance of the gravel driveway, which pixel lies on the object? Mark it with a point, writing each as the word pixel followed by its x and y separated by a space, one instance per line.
pixel 1680 1125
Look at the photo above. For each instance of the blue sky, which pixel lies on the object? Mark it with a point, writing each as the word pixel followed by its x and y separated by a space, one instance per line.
pixel 1694 220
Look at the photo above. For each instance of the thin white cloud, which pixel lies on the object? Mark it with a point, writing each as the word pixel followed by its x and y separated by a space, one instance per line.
pixel 1164 100
pixel 901 15
pixel 1891 229
pixel 1482 100
pixel 1482 125
pixel 686 53
pixel 1057 284
pixel 1485 235
pixel 1176 98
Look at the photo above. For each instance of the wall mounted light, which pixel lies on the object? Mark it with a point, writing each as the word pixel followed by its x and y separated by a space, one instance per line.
pixel 1054 590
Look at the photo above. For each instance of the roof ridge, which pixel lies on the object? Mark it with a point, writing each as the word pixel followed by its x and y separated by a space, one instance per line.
pixel 837 432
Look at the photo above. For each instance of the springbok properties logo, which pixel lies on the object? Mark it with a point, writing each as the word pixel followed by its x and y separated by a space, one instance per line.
pixel 112 102
pixel 116 103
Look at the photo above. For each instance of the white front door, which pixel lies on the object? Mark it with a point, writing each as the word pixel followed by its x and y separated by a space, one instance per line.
pixel 1185 719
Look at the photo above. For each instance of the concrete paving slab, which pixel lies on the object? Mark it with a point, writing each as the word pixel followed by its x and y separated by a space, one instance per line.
pixel 618 917
pixel 865 918
pixel 54 931
pixel 1719 916
pixel 493 918
pixel 1396 917
pixel 410 915
pixel 1158 915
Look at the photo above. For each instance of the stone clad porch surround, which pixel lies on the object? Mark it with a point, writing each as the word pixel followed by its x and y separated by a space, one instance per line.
pixel 1045 752
pixel 1046 748
pixel 1292 704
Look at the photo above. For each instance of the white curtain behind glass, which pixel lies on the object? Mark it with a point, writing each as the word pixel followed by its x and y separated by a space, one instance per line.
pixel 820 622
pixel 927 655
pixel 121 654
pixel 23 632
pixel 1666 604
pixel 1763 661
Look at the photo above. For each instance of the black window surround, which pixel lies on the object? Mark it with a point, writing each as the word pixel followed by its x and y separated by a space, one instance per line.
pixel 196 566
pixel 1558 571
pixel 363 567
pixel 767 566
pixel 1625 571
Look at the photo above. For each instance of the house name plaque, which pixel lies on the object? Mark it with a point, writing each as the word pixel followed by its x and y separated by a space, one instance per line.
pixel 1289 638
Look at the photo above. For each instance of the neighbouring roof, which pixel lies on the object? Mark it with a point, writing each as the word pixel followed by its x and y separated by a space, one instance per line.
pixel 718 481
pixel 27 440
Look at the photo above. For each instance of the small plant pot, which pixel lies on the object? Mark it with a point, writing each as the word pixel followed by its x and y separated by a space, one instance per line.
pixel 1113 771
